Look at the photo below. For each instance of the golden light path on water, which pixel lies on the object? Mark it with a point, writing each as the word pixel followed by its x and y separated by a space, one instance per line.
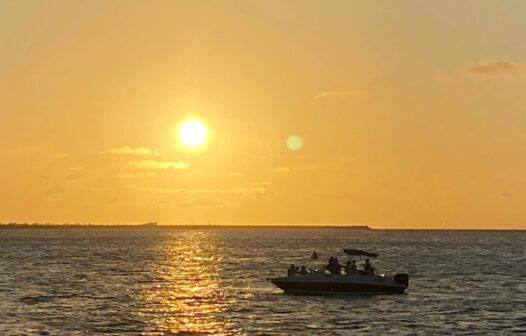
pixel 186 297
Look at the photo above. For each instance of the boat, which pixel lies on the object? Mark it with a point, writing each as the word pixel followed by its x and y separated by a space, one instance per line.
pixel 359 282
pixel 149 224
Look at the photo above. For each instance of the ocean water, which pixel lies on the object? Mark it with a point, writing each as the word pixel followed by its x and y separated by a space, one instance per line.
pixel 148 281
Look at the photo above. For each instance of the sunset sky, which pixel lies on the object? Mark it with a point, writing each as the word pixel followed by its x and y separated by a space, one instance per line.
pixel 407 114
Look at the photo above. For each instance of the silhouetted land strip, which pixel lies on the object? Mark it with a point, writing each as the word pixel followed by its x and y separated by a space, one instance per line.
pixel 168 226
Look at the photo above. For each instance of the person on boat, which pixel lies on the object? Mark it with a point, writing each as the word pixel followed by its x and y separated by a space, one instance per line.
pixel 329 264
pixel 303 270
pixel 347 266
pixel 335 268
pixel 367 267
pixel 292 270
pixel 350 267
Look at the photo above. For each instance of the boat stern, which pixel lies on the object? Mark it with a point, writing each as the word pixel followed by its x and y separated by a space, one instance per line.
pixel 402 279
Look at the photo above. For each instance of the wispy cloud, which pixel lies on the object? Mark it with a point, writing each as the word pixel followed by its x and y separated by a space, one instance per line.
pixel 53 190
pixel 346 91
pixel 74 176
pixel 335 196
pixel 125 150
pixel 495 68
pixel 264 184
pixel 207 203
pixel 237 174
pixel 299 167
pixel 31 151
pixel 196 191
pixel 157 165
pixel 136 175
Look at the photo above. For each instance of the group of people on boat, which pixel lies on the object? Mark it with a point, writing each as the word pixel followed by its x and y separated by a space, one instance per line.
pixel 296 270
pixel 334 267
pixel 350 267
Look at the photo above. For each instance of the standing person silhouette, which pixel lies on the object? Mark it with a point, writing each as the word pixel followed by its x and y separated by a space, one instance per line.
pixel 367 267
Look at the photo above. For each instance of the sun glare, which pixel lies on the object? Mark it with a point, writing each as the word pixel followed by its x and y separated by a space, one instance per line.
pixel 192 133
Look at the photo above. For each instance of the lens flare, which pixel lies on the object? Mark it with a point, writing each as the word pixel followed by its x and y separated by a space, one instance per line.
pixel 294 142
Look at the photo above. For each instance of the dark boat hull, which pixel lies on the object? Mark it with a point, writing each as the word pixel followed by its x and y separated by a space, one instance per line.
pixel 336 288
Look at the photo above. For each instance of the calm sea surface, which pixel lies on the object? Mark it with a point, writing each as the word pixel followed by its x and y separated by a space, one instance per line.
pixel 122 281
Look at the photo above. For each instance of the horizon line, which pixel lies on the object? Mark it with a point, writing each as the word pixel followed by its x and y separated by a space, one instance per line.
pixel 204 226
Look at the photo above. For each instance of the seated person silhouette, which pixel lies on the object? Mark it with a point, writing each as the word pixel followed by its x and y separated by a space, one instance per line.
pixel 350 267
pixel 292 270
pixel 367 267
pixel 303 270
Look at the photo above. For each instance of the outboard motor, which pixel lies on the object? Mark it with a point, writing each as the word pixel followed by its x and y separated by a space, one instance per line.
pixel 402 279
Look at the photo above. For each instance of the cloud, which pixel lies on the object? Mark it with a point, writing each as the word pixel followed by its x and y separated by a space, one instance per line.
pixel 262 183
pixel 346 91
pixel 74 176
pixel 495 68
pixel 196 191
pixel 199 203
pixel 53 190
pixel 207 203
pixel 335 196
pixel 157 165
pixel 299 167
pixel 31 151
pixel 136 175
pixel 131 151
pixel 236 174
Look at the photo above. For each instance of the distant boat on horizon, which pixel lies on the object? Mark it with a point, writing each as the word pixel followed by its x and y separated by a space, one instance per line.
pixel 358 227
pixel 149 224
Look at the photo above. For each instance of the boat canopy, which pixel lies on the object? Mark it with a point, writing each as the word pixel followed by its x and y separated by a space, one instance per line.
pixel 354 252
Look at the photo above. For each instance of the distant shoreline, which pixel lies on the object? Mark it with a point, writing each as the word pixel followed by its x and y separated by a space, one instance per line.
pixel 177 226
pixel 15 226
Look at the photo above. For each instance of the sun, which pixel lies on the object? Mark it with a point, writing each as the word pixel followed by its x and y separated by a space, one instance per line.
pixel 192 133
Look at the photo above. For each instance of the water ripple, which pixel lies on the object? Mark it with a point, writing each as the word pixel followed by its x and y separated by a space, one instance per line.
pixel 213 282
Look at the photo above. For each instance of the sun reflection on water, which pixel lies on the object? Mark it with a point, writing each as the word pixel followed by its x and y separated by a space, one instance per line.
pixel 185 296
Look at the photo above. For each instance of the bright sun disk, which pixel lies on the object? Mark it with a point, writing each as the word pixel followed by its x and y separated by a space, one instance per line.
pixel 192 133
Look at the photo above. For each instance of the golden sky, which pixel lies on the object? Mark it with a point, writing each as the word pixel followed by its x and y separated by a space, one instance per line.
pixel 412 114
